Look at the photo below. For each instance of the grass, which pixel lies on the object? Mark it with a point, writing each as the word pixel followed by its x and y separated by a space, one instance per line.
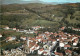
pixel 32 22
pixel 72 20
pixel 9 45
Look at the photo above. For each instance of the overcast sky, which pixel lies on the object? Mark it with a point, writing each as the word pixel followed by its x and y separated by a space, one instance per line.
pixel 55 0
pixel 61 0
pixel 21 1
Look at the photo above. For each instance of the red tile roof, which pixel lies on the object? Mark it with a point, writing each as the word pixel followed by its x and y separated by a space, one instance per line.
pixel 68 51
pixel 8 38
pixel 32 43
pixel 38 37
pixel 41 49
pixel 67 45
pixel 60 54
pixel 45 52
pixel 33 49
pixel 36 45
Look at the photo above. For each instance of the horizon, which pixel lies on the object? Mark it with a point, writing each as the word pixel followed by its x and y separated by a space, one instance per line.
pixel 38 1
pixel 70 1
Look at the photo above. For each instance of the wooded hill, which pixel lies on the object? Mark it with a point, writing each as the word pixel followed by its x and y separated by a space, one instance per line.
pixel 27 15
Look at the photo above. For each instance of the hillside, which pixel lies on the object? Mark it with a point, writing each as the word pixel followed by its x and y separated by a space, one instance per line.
pixel 27 15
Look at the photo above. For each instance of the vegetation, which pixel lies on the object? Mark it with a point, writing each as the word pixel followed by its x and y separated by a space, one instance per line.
pixel 68 30
pixel 11 46
pixel 27 15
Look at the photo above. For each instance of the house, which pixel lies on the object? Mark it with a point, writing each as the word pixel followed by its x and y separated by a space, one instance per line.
pixel 17 30
pixel 70 27
pixel 29 31
pixel 54 42
pixel 30 40
pixel 44 41
pixel 36 27
pixel 76 29
pixel 32 49
pixel 6 28
pixel 64 37
pixel 14 28
pixel 40 51
pixel 45 53
pixel 67 46
pixel 36 32
pixel 39 38
pixel 58 54
pixel 47 32
pixel 51 33
pixel 65 42
pixel 68 52
pixel 62 28
pixel 5 52
pixel 37 46
pixel 75 42
pixel 61 44
pixel 0 35
pixel 31 46
pixel 74 38
pixel 50 40
pixel 10 38
pixel 23 38
pixel 21 30
pixel 58 39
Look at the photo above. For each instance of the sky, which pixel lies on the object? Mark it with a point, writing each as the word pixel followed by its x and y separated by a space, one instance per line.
pixel 71 1
pixel 48 1
pixel 61 0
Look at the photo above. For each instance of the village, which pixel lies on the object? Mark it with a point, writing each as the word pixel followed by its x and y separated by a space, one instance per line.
pixel 43 44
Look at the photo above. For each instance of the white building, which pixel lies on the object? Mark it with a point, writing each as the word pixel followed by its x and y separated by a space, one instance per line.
pixel 61 44
pixel 10 38
pixel 0 35
pixel 23 38
pixel 14 28
pixel 40 51
pixel 6 28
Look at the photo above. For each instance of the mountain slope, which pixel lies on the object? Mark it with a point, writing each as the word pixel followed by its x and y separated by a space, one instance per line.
pixel 23 15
